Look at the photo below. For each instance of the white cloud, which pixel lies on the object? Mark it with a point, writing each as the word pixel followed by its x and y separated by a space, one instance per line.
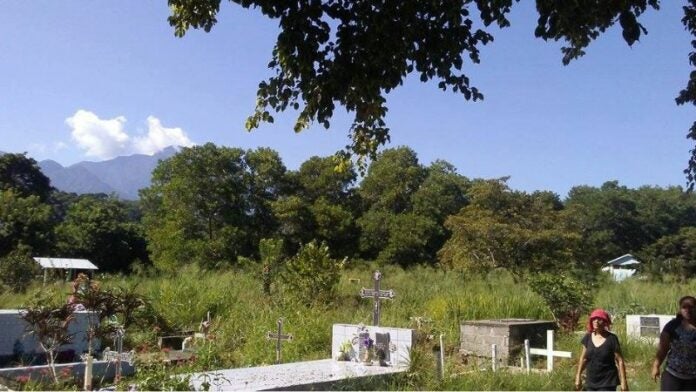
pixel 100 138
pixel 107 138
pixel 158 138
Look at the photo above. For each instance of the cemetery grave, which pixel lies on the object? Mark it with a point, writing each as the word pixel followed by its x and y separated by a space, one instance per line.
pixel 357 351
pixel 646 327
pixel 319 373
pixel 509 341
pixel 180 346
pixel 17 346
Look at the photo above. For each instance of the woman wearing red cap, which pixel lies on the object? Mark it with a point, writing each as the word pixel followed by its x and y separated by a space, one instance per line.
pixel 601 356
pixel 678 345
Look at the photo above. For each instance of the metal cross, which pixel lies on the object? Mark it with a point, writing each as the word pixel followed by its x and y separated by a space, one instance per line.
pixel 278 337
pixel 376 294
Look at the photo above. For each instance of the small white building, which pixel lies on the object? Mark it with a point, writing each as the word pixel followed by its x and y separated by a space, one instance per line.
pixel 622 267
pixel 71 266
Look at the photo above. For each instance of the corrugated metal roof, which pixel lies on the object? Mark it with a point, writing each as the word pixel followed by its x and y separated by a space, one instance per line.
pixel 51 262
pixel 626 259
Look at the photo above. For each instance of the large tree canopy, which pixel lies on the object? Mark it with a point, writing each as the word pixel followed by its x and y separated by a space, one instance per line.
pixel 355 52
pixel 23 175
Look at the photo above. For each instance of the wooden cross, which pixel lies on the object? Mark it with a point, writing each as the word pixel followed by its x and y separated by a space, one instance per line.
pixel 376 294
pixel 278 337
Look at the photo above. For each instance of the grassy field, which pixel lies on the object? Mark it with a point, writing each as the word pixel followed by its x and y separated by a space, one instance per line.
pixel 242 314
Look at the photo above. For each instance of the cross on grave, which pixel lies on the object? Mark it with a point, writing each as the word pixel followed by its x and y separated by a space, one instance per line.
pixel 278 337
pixel 548 352
pixel 376 294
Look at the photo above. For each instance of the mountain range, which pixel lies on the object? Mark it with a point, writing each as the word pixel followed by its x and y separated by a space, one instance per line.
pixel 122 176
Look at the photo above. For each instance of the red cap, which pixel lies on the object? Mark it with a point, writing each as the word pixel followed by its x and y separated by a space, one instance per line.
pixel 598 314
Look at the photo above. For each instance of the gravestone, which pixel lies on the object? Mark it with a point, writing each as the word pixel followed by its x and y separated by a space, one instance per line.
pixel 478 336
pixel 394 342
pixel 646 326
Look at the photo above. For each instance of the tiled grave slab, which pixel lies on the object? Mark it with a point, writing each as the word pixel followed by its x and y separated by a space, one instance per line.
pixel 311 374
pixel 287 375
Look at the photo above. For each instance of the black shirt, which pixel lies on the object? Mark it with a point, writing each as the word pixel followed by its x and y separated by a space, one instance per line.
pixel 601 371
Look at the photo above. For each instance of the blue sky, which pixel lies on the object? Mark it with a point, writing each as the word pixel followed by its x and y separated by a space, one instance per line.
pixel 86 80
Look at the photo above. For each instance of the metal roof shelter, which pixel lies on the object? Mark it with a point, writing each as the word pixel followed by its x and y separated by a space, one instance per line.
pixel 627 259
pixel 68 264
pixel 51 262
pixel 622 267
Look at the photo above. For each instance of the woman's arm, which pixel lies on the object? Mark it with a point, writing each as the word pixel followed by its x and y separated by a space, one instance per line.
pixel 662 349
pixel 622 371
pixel 581 366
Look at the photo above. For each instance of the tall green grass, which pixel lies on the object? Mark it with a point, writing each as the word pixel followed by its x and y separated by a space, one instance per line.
pixel 242 315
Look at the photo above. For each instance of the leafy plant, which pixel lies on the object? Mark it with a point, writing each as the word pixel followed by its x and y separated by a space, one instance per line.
pixel 312 274
pixel 49 324
pixel 17 270
pixel 271 252
pixel 567 298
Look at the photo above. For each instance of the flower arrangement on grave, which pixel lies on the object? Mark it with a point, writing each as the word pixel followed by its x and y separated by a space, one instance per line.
pixel 367 348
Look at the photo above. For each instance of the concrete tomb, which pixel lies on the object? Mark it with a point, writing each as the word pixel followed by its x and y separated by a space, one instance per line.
pixel 16 344
pixel 15 341
pixel 646 326
pixel 478 336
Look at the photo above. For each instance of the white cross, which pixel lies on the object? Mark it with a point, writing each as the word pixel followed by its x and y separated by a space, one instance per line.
pixel 548 351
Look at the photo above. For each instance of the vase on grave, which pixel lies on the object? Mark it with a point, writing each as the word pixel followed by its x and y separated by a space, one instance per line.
pixel 366 357
pixel 366 348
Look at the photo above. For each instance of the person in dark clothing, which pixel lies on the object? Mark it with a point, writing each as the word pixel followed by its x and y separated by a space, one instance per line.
pixel 601 356
pixel 678 345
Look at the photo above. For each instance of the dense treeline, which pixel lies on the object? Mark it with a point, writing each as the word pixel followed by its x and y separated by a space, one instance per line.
pixel 214 206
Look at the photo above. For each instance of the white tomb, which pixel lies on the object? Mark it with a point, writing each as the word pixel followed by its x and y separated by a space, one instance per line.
pixel 309 374
pixel 14 336
pixel 646 327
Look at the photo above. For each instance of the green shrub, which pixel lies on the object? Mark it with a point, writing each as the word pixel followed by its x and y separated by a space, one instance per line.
pixel 17 270
pixel 567 298
pixel 312 274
